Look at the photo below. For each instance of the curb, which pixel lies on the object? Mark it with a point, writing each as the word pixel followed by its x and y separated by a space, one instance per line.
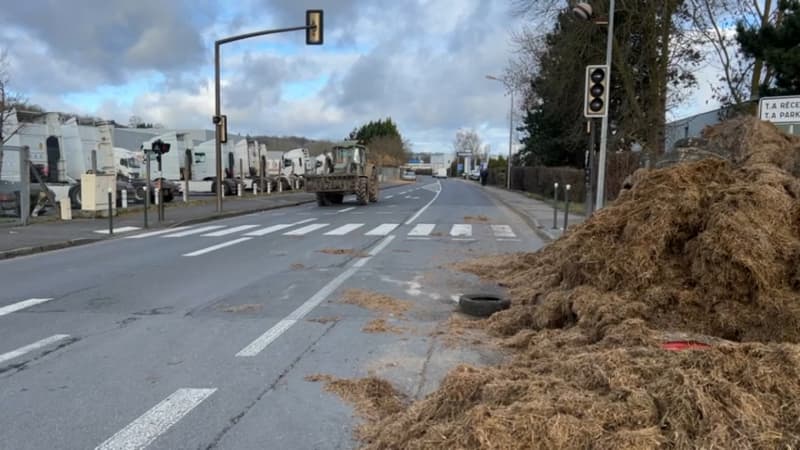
pixel 530 221
pixel 24 251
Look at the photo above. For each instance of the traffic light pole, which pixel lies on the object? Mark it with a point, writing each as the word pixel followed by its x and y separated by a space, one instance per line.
pixel 217 96
pixel 601 164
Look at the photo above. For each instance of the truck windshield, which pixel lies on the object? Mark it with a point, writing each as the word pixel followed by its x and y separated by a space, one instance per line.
pixel 344 154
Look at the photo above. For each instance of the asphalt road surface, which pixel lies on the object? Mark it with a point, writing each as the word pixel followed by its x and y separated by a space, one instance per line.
pixel 202 337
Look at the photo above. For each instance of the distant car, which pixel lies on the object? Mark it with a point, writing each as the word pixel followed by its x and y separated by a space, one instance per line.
pixel 409 175
pixel 475 175
pixel 440 173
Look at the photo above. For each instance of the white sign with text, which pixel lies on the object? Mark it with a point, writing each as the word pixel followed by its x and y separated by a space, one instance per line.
pixel 780 109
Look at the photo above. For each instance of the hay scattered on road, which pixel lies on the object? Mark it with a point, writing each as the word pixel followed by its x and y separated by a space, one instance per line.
pixel 325 320
pixel 298 266
pixel 372 397
pixel 476 219
pixel 376 302
pixel 344 251
pixel 709 249
pixel 245 308
pixel 381 325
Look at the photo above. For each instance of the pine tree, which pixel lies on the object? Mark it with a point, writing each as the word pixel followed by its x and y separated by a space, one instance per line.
pixel 779 46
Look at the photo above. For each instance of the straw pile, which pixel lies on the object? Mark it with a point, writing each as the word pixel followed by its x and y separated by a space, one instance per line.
pixel 708 251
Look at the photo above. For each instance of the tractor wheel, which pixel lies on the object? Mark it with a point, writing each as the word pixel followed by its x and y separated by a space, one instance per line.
pixel 373 188
pixel 362 191
pixel 322 199
pixel 336 198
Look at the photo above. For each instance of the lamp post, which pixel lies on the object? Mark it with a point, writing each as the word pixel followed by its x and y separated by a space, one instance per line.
pixel 584 11
pixel 313 29
pixel 510 126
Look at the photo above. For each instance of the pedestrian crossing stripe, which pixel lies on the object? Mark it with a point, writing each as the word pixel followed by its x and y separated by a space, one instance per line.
pixel 458 231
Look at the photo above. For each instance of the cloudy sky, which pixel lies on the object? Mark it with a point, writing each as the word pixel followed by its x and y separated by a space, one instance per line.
pixel 422 62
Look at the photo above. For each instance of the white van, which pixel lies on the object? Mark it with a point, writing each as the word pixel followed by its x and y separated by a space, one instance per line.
pixel 440 173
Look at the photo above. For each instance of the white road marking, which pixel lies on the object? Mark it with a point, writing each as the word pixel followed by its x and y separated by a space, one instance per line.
pixel 464 239
pixel 31 347
pixel 14 307
pixel 156 233
pixel 347 209
pixel 382 230
pixel 508 240
pixel 194 231
pixel 261 342
pixel 461 230
pixel 344 229
pixel 217 247
pixel 230 231
pixel 388 197
pixel 503 231
pixel 408 196
pixel 414 198
pixel 419 239
pixel 118 230
pixel 149 426
pixel 422 229
pixel 279 227
pixel 306 229
pixel 422 210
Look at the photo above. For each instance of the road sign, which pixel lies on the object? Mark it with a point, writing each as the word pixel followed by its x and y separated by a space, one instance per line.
pixel 464 154
pixel 780 109
pixel 460 168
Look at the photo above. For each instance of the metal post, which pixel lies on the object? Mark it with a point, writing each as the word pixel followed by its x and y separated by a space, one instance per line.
pixel 94 161
pixel 241 176
pixel 146 206
pixel 589 166
pixel 24 200
pixel 255 188
pixel 601 169
pixel 124 199
pixel 218 144
pixel 110 213
pixel 280 184
pixel 146 187
pixel 269 188
pixel 157 196
pixel 555 206
pixel 510 132
pixel 239 189
pixel 566 206
pixel 161 216
pixel 186 174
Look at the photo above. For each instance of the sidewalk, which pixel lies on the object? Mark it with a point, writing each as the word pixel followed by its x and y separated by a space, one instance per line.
pixel 538 214
pixel 50 233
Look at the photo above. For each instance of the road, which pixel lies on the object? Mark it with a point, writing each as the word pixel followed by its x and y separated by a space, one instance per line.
pixel 202 337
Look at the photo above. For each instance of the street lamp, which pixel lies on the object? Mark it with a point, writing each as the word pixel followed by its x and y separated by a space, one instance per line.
pixel 313 29
pixel 584 11
pixel 510 126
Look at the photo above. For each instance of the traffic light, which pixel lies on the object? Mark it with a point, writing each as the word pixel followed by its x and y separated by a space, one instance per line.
pixel 222 127
pixel 596 96
pixel 314 24
pixel 165 147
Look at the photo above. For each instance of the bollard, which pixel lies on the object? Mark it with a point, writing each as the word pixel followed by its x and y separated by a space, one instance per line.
pixel 158 191
pixel 146 206
pixel 555 206
pixel 269 187
pixel 110 212
pixel 124 199
pixel 223 190
pixel 66 208
pixel 239 187
pixel 255 189
pixel 160 204
pixel 280 185
pixel 185 195
pixel 566 206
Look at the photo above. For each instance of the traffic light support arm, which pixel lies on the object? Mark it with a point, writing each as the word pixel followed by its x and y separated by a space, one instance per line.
pixel 217 96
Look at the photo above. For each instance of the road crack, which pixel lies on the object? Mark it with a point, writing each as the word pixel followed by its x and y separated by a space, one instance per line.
pixel 233 421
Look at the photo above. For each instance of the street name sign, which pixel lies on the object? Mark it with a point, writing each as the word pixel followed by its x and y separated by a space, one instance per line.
pixel 780 109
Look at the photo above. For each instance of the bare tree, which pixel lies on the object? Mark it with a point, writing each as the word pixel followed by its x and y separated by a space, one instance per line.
pixel 8 101
pixel 468 141
pixel 713 24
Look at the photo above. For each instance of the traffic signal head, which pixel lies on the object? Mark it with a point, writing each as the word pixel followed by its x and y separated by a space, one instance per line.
pixel 314 24
pixel 596 93
pixel 165 147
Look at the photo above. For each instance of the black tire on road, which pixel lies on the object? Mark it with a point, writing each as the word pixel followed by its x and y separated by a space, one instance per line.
pixel 336 198
pixel 362 191
pixel 373 188
pixel 322 199
pixel 482 305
